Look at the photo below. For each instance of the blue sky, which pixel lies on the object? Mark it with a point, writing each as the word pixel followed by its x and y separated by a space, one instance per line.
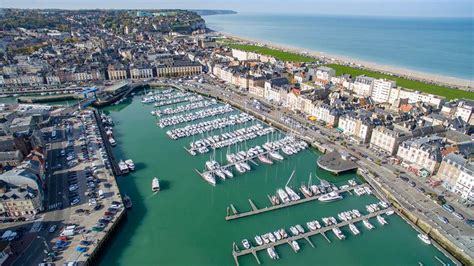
pixel 400 8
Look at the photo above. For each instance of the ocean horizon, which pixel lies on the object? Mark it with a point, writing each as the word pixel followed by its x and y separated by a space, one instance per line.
pixel 439 46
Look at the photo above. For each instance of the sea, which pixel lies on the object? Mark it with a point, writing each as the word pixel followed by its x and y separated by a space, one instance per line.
pixel 184 224
pixel 441 46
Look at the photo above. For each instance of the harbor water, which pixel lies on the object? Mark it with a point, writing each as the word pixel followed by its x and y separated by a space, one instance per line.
pixel 184 224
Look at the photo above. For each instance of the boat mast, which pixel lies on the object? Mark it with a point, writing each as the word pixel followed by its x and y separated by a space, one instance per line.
pixel 289 179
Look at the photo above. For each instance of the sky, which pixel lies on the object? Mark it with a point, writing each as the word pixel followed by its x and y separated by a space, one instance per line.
pixel 398 8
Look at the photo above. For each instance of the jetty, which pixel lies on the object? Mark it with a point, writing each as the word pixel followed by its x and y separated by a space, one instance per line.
pixel 253 250
pixel 236 215
pixel 336 163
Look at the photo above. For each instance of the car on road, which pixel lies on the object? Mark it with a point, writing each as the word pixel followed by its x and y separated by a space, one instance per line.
pixel 404 178
pixel 443 219
pixel 458 215
pixel 52 228
pixel 448 207
pixel 420 189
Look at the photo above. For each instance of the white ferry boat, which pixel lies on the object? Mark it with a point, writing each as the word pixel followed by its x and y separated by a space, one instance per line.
pixel 123 167
pixel 155 185
pixel 130 164
pixel 331 196
pixel 424 238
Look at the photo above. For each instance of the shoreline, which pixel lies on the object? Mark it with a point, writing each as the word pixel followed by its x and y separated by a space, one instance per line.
pixel 453 82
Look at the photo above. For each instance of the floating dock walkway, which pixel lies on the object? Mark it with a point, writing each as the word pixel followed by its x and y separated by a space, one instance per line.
pixel 255 210
pixel 322 231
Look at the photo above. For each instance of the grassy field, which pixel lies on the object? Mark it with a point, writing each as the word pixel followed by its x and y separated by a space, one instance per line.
pixel 449 93
pixel 278 54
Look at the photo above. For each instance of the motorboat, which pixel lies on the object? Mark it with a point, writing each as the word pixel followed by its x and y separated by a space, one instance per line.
pixel 127 202
pixel 300 228
pixel 367 224
pixel 220 174
pixel 155 185
pixel 338 233
pixel 272 253
pixel 424 238
pixel 258 240
pixel 246 244
pixel 294 231
pixel 311 225
pixel 354 229
pixel 227 172
pixel 381 220
pixel 240 168
pixel 329 197
pixel 295 245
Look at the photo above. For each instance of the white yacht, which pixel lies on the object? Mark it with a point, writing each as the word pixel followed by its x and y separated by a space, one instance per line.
pixel 367 224
pixel 299 228
pixel 381 220
pixel 227 172
pixel 258 240
pixel 424 238
pixel 240 168
pixel 272 253
pixel 294 231
pixel 354 229
pixel 338 233
pixel 295 245
pixel 155 185
pixel 112 142
pixel 264 159
pixel 246 244
pixel 331 196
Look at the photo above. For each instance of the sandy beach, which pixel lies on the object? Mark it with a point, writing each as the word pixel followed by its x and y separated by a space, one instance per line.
pixel 410 74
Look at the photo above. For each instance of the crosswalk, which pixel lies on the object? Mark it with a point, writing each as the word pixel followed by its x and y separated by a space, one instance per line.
pixel 55 206
pixel 36 227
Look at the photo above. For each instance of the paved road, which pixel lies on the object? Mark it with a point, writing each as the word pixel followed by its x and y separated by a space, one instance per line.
pixel 457 231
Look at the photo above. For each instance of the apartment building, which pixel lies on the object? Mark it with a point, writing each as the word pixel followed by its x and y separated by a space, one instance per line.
pixel 424 152
pixel 363 86
pixel 356 125
pixel 381 90
pixel 323 75
pixel 457 175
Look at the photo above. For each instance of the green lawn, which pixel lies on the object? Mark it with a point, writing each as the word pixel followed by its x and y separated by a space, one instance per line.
pixel 449 93
pixel 278 54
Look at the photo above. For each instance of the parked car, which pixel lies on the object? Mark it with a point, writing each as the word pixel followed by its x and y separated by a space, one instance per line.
pixel 458 215
pixel 448 207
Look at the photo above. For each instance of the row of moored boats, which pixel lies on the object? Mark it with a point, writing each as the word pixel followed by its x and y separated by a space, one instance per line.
pixel 189 117
pixel 207 126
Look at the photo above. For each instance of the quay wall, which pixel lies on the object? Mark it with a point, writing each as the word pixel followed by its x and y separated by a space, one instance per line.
pixel 439 240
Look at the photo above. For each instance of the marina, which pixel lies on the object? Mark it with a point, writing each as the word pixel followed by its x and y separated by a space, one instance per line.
pixel 179 119
pixel 152 225
pixel 229 138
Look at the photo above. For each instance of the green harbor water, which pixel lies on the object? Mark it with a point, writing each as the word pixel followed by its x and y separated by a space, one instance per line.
pixel 184 223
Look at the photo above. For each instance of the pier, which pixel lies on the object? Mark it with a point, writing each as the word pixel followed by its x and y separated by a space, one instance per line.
pixel 256 211
pixel 254 250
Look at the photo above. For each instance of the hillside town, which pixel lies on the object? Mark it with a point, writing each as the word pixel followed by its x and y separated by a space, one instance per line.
pixel 418 136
